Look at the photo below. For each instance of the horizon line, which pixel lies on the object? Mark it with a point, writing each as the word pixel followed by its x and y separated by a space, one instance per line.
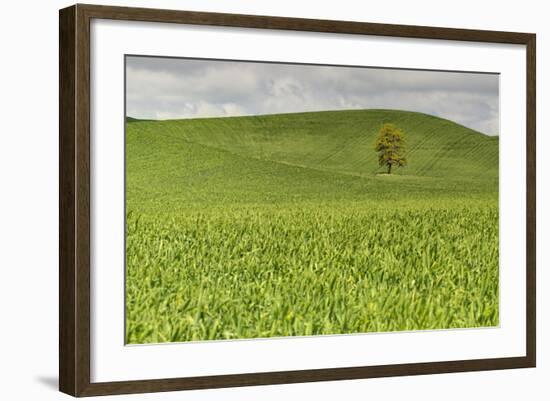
pixel 307 112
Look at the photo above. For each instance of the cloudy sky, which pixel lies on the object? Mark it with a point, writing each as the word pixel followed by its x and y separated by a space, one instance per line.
pixel 165 88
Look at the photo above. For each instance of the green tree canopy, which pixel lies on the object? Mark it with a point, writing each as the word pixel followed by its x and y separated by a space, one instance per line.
pixel 390 146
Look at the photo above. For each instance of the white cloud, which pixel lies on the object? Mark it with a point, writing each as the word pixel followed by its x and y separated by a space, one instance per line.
pixel 164 88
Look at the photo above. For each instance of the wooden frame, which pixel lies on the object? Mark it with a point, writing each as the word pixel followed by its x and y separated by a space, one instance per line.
pixel 74 200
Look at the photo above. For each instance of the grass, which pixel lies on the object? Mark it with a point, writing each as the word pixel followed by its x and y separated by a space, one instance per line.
pixel 280 225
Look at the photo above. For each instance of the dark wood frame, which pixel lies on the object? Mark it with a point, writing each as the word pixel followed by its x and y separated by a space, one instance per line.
pixel 74 200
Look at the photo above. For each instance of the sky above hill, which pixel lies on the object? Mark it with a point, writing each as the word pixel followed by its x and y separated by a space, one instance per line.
pixel 169 88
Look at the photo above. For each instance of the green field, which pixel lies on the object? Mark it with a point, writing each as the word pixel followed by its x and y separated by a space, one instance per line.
pixel 282 225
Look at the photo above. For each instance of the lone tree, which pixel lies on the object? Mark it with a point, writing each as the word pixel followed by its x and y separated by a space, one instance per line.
pixel 390 146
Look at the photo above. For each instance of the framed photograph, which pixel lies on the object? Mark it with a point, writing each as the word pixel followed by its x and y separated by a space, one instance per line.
pixel 250 200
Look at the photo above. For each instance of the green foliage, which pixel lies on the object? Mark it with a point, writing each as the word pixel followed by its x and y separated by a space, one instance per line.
pixel 390 145
pixel 234 273
pixel 278 225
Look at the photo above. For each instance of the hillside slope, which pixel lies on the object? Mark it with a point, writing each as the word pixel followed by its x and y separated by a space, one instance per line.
pixel 314 155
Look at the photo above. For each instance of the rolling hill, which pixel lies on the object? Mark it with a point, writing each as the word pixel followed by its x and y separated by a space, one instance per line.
pixel 281 225
pixel 317 155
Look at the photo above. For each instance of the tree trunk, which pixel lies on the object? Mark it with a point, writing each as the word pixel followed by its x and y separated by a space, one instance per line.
pixel 389 168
